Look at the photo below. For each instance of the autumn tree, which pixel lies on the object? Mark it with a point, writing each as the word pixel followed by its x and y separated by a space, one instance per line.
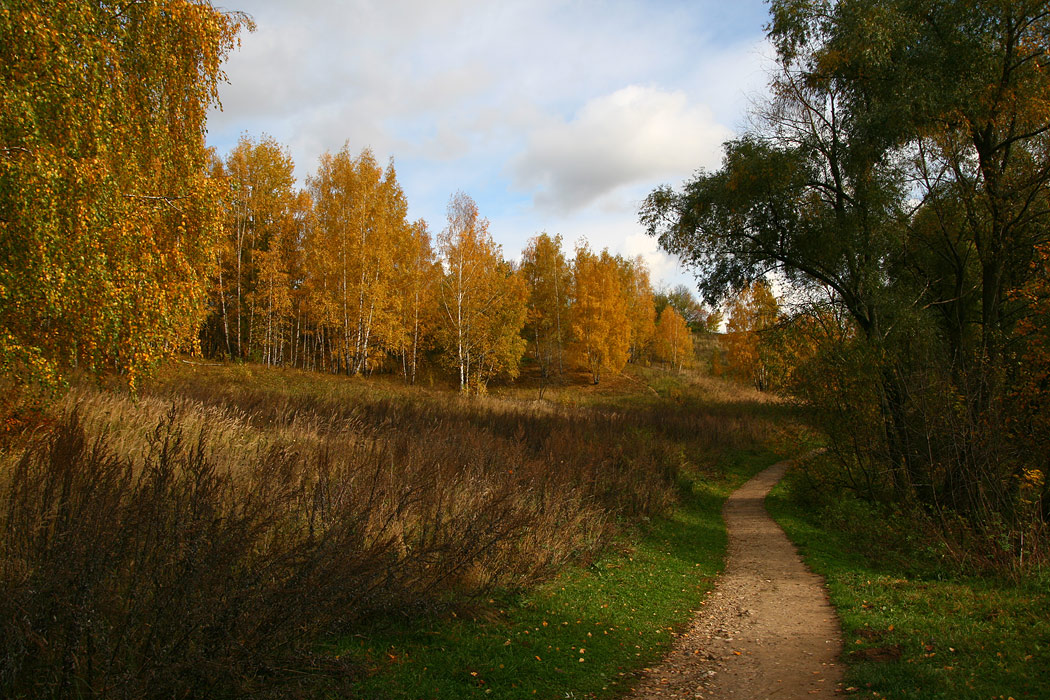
pixel 548 278
pixel 278 293
pixel 698 317
pixel 360 231
pixel 752 318
pixel 674 340
pixel 901 167
pixel 483 300
pixel 601 327
pixel 253 277
pixel 108 218
pixel 641 313
pixel 417 277
pixel 1028 417
pixel 960 90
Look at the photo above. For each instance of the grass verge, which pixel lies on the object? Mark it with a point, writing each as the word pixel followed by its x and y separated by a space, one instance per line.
pixel 913 628
pixel 586 634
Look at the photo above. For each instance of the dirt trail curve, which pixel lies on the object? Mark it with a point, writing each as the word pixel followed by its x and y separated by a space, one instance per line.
pixel 767 629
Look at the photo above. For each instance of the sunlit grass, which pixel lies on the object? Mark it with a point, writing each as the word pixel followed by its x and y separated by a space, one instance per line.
pixel 588 633
pixel 913 627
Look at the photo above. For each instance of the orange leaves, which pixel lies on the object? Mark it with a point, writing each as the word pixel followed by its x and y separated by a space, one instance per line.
pixel 548 278
pixel 641 314
pixel 674 342
pixel 360 236
pixel 111 220
pixel 257 259
pixel 751 313
pixel 600 323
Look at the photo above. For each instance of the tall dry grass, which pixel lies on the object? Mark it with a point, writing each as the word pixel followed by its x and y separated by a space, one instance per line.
pixel 198 541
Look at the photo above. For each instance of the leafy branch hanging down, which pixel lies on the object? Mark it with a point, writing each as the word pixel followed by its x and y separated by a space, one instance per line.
pixel 102 126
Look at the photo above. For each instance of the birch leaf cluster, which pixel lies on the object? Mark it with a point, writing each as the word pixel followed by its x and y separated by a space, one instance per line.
pixel 107 215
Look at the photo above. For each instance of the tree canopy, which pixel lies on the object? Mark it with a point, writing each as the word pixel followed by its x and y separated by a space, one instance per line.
pixel 107 214
pixel 901 170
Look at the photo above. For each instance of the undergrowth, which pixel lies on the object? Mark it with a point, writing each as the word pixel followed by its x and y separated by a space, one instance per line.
pixel 201 539
pixel 589 633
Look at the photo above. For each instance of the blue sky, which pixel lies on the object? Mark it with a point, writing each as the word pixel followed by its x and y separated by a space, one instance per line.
pixel 553 116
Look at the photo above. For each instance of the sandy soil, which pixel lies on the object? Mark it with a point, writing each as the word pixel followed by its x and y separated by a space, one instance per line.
pixel 767 629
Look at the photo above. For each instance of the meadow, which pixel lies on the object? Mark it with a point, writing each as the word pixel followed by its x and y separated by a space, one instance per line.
pixel 239 530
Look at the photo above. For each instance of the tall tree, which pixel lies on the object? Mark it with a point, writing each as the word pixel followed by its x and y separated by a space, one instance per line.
pixel 252 278
pixel 902 165
pixel 359 232
pixel 959 93
pixel 601 328
pixel 107 216
pixel 548 278
pixel 641 313
pixel 418 275
pixel 752 317
pixel 674 340
pixel 483 300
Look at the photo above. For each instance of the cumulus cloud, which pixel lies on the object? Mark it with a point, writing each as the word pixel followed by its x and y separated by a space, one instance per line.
pixel 546 112
pixel 636 134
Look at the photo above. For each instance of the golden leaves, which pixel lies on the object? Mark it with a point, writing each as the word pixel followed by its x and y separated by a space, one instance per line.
pixel 600 323
pixel 482 298
pixel 104 209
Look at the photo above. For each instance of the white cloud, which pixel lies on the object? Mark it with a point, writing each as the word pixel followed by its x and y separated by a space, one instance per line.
pixel 661 265
pixel 553 115
pixel 636 134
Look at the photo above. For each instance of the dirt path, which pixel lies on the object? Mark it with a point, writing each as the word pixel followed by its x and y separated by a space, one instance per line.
pixel 767 629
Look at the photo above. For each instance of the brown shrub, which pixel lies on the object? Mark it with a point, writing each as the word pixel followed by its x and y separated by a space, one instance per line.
pixel 199 542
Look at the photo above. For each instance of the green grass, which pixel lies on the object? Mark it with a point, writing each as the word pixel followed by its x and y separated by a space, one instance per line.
pixel 914 629
pixel 585 634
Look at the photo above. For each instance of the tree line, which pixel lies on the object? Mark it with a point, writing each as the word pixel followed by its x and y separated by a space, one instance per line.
pixel 335 278
pixel 124 239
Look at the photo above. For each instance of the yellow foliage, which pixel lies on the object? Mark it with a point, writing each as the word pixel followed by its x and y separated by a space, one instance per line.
pixel 548 278
pixel 601 326
pixel 483 300
pixel 674 341
pixel 751 313
pixel 107 221
pixel 641 313
pixel 361 231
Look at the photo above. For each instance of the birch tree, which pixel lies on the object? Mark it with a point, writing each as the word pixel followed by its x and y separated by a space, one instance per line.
pixel 360 231
pixel 108 217
pixel 600 326
pixel 548 278
pixel 482 300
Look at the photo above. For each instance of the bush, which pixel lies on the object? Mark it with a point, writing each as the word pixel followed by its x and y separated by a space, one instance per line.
pixel 209 557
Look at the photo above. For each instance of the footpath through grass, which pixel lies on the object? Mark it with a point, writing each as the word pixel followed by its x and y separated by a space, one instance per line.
pixel 584 635
pixel 913 628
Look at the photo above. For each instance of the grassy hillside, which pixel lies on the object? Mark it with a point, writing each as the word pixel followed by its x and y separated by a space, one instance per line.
pixel 243 530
